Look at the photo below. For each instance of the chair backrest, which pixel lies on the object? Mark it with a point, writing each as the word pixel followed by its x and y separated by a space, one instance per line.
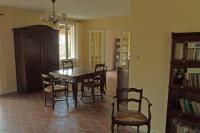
pixel 46 80
pixel 67 64
pixel 138 100
pixel 99 67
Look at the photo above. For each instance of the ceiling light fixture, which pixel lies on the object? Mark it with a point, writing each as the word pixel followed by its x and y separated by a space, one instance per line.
pixel 50 17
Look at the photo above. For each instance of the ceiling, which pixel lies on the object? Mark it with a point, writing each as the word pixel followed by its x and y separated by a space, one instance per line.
pixel 80 9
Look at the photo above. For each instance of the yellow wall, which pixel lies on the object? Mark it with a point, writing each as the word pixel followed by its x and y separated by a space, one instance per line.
pixel 152 24
pixel 12 18
pixel 107 23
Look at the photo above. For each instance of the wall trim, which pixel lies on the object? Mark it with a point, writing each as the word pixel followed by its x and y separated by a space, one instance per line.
pixel 3 92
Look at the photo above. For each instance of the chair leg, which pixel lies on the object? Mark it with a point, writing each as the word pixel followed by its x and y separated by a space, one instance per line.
pixel 117 128
pixel 66 97
pixel 101 91
pixel 55 94
pixel 45 99
pixel 112 127
pixel 82 89
pixel 105 86
pixel 149 128
pixel 93 96
pixel 53 102
pixel 138 129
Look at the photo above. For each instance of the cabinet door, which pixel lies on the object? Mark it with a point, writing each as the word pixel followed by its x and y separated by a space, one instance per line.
pixel 32 42
pixel 51 50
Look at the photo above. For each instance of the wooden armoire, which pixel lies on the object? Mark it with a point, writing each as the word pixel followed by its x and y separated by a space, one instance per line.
pixel 36 52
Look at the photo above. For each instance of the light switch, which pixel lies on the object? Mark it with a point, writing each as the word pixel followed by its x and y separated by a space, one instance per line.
pixel 136 57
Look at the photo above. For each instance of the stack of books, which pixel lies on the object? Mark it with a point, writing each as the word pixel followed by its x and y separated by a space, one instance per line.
pixel 188 106
pixel 190 53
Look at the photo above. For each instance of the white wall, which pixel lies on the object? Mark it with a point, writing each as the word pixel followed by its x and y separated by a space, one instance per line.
pixel 152 24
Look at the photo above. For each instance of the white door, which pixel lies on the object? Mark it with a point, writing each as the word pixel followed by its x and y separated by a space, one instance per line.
pixel 96 47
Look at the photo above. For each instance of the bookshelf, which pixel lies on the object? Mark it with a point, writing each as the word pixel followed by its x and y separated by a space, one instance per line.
pixel 183 111
pixel 122 54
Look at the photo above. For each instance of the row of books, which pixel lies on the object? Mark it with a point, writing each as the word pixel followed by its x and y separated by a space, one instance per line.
pixel 181 127
pixel 190 53
pixel 189 77
pixel 192 80
pixel 188 106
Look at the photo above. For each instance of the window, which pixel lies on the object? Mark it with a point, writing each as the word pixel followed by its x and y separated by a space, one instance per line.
pixel 67 41
pixel 71 42
pixel 62 43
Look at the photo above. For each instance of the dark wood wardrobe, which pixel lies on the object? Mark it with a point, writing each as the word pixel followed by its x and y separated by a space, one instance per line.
pixel 36 52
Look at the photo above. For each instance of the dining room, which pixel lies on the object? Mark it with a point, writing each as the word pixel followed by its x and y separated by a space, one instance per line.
pixel 59 74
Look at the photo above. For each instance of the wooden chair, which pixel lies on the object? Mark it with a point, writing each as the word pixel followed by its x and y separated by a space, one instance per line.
pixel 92 84
pixel 102 67
pixel 128 117
pixel 67 64
pixel 51 88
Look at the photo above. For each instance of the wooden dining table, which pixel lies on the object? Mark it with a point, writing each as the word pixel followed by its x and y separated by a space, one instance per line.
pixel 76 75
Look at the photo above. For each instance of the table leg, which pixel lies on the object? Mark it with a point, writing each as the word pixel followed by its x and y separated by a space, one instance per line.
pixel 74 89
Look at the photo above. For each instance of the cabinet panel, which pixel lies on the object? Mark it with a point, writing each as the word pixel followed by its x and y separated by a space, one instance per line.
pixel 32 42
pixel 51 51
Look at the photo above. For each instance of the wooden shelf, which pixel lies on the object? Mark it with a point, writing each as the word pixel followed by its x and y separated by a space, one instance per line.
pixel 185 64
pixel 186 89
pixel 192 118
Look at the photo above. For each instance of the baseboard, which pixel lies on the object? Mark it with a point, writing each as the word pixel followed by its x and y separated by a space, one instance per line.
pixel 3 92
pixel 145 130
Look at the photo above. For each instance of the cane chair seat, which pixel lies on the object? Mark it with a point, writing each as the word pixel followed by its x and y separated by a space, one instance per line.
pixel 132 117
pixel 49 89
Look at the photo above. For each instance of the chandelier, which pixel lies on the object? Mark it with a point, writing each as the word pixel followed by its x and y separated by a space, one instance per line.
pixel 50 17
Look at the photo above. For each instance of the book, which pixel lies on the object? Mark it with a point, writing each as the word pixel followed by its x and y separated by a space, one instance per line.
pixel 195 107
pixel 187 105
pixel 179 51
pixel 190 54
pixel 183 108
pixel 191 107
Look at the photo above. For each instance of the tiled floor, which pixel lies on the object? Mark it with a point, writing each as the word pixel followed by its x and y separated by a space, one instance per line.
pixel 25 113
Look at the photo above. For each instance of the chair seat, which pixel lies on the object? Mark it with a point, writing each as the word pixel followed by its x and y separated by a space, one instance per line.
pixel 92 84
pixel 56 88
pixel 130 117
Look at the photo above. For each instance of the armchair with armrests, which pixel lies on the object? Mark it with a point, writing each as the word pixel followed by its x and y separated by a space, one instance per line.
pixel 131 117
pixel 51 87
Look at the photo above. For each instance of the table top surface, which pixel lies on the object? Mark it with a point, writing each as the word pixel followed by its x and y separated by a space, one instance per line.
pixel 75 72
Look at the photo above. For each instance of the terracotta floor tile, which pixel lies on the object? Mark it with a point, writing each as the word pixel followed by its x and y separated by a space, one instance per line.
pixel 25 113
